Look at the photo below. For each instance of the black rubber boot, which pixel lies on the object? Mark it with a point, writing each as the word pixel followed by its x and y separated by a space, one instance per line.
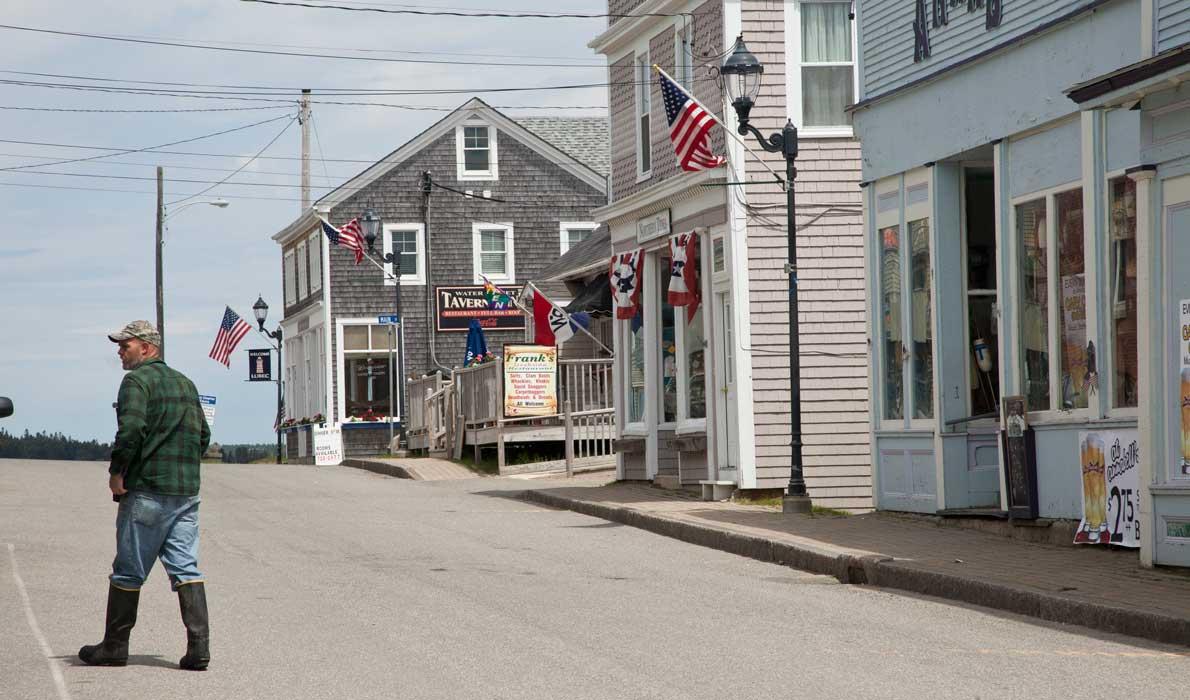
pixel 121 617
pixel 193 599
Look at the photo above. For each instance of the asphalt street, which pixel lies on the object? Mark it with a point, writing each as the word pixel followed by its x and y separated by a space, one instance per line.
pixel 339 583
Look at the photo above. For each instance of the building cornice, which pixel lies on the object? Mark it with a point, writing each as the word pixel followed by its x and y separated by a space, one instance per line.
pixel 298 227
pixel 660 196
pixel 628 29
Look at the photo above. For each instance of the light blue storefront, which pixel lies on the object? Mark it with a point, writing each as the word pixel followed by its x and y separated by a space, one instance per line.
pixel 1000 214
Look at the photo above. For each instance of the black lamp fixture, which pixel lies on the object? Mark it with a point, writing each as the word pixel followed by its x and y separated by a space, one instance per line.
pixel 372 225
pixel 741 71
pixel 261 311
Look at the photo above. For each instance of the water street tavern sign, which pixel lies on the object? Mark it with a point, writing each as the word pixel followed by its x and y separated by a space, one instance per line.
pixel 456 306
pixel 938 15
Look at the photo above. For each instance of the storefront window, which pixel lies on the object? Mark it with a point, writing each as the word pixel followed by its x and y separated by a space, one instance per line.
pixel 1034 239
pixel 669 351
pixel 1073 321
pixel 367 370
pixel 636 367
pixel 1122 221
pixel 890 301
pixel 696 372
pixel 920 317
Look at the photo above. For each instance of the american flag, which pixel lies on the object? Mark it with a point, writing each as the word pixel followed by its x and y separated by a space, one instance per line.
pixel 688 127
pixel 231 332
pixel 349 236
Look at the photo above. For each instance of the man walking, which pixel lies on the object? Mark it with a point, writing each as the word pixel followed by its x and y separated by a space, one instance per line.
pixel 160 440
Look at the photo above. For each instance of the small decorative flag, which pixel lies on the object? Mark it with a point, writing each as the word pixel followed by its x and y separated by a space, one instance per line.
pixel 683 272
pixel 625 275
pixel 231 331
pixel 688 127
pixel 497 298
pixel 551 325
pixel 350 236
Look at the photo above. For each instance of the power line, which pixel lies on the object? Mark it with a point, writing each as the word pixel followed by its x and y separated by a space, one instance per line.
pixel 298 54
pixel 153 165
pixel 135 111
pixel 408 10
pixel 147 148
pixel 246 163
pixel 176 153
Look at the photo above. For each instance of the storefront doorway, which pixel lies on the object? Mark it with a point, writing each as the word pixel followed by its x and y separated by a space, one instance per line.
pixel 983 331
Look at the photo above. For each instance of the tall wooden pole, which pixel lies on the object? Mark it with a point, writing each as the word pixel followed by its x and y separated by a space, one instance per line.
pixel 157 249
pixel 304 120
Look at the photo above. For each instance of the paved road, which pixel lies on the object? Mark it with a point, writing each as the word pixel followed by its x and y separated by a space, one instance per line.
pixel 338 583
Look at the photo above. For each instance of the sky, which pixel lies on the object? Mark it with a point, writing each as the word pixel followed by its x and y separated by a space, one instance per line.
pixel 77 264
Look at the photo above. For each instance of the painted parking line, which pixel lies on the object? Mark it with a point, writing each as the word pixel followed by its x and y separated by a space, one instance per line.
pixel 31 618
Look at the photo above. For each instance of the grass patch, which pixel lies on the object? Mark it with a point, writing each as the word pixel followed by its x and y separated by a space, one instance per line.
pixel 484 466
pixel 820 510
pixel 752 501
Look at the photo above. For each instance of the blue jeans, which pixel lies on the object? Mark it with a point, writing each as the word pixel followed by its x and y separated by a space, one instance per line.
pixel 151 526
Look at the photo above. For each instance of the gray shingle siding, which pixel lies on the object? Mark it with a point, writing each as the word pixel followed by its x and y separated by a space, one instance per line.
pixel 539 195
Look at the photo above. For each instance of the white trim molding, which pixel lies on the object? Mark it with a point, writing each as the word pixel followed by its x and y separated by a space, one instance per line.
pixel 492 172
pixel 418 278
pixel 509 276
pixel 565 226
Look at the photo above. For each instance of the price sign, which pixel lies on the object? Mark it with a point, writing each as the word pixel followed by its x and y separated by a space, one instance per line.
pixel 1110 465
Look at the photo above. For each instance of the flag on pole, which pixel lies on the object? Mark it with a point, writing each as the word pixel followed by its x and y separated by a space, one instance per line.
pixel 625 274
pixel 551 325
pixel 497 298
pixel 350 236
pixel 688 127
pixel 683 272
pixel 231 331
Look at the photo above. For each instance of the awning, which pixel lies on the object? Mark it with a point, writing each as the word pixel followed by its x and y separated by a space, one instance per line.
pixel 595 298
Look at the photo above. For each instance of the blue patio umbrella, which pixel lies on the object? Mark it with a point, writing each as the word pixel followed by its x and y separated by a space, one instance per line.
pixel 477 345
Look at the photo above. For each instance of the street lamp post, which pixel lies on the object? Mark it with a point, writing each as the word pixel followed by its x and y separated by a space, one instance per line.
pixel 741 71
pixel 372 226
pixel 162 217
pixel 261 311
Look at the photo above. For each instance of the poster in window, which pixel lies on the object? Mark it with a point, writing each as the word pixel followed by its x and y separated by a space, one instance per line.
pixel 1182 468
pixel 530 380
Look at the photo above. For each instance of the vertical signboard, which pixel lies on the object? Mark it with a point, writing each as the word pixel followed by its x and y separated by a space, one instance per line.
pixel 530 380
pixel 1181 467
pixel 208 410
pixel 328 447
pixel 1109 461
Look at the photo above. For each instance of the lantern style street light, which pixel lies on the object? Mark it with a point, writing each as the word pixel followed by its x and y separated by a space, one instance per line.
pixel 373 226
pixel 741 71
pixel 261 311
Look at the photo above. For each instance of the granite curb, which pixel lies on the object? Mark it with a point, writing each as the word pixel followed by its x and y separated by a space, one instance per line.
pixel 394 470
pixel 886 572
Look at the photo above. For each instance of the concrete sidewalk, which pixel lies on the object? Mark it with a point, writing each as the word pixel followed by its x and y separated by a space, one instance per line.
pixel 1101 589
pixel 415 468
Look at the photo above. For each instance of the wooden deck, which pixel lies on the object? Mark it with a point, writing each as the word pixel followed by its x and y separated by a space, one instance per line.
pixel 446 415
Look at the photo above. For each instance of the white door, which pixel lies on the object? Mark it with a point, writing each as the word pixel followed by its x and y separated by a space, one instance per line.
pixel 725 394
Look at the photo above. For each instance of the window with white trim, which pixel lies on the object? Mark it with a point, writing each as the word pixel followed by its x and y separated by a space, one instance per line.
pixel 290 279
pixel 475 151
pixel 683 56
pixel 300 260
pixel 314 250
pixel 644 146
pixel 574 232
pixel 366 369
pixel 493 252
pixel 407 242
pixel 820 35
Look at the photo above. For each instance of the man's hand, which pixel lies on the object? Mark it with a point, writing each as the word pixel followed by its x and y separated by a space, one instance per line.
pixel 116 484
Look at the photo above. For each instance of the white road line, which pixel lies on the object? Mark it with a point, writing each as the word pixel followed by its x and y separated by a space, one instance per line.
pixel 55 670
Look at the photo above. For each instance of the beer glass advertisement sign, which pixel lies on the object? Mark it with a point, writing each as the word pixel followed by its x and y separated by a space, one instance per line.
pixel 1181 467
pixel 1109 461
pixel 530 380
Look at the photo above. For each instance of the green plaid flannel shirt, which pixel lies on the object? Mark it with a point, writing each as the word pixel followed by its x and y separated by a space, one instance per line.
pixel 162 432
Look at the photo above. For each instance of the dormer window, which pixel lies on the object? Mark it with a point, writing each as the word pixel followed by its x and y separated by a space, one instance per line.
pixel 475 145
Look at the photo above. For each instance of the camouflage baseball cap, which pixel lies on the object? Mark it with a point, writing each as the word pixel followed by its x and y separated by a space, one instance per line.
pixel 137 329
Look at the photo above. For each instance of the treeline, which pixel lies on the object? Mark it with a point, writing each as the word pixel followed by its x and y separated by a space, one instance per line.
pixel 42 445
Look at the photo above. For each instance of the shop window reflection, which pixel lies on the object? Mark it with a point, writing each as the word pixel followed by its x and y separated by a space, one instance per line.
pixel 890 302
pixel 920 319
pixel 669 352
pixel 636 367
pixel 1122 210
pixel 694 347
pixel 1034 239
pixel 1077 373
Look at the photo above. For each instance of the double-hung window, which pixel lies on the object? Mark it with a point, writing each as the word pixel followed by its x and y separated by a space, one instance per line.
pixel 290 271
pixel 684 56
pixel 1056 372
pixel 644 146
pixel 302 289
pixel 406 242
pixel 314 250
pixel 574 232
pixel 365 367
pixel 822 36
pixel 493 252
pixel 476 152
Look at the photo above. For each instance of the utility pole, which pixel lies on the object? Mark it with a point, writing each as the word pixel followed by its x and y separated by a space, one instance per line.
pixel 304 120
pixel 160 231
